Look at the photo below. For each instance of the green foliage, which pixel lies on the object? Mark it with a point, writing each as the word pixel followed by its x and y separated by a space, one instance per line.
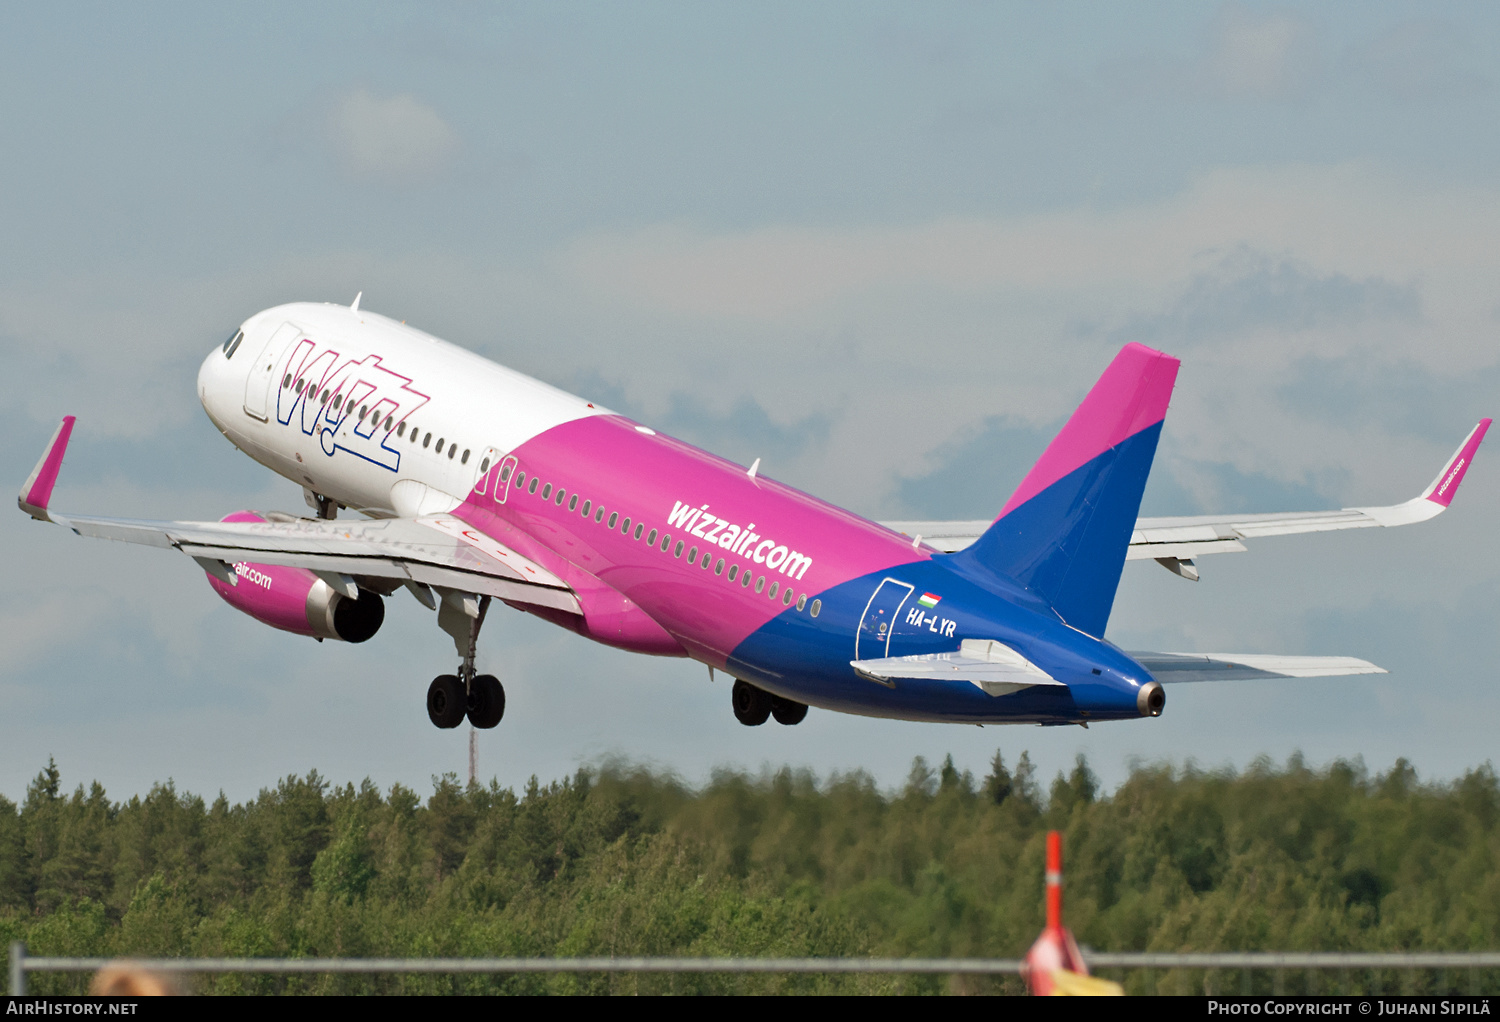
pixel 622 861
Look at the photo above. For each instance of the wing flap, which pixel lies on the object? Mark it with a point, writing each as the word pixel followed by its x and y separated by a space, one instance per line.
pixel 991 666
pixel 1168 668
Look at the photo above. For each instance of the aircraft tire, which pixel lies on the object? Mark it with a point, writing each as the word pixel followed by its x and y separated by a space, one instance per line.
pixel 446 701
pixel 787 711
pixel 486 701
pixel 751 705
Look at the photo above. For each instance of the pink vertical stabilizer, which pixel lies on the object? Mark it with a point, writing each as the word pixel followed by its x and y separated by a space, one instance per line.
pixel 1055 949
pixel 1132 395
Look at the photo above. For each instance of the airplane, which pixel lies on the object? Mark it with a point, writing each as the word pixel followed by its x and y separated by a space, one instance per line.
pixel 471 482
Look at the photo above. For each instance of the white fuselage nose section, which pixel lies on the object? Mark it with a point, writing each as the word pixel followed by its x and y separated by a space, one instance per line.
pixel 369 412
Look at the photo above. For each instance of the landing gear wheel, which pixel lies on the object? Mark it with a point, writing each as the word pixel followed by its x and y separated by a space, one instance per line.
pixel 786 711
pixel 486 701
pixel 751 705
pixel 446 701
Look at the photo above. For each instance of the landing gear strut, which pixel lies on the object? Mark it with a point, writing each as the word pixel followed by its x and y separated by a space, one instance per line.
pixel 752 706
pixel 452 697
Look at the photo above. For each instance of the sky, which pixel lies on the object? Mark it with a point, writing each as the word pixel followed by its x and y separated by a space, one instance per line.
pixel 885 247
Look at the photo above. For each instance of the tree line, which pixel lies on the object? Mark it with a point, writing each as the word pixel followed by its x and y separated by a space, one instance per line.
pixel 621 860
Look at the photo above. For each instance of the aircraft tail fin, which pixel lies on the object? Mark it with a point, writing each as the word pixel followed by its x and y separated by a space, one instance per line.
pixel 1065 531
pixel 36 493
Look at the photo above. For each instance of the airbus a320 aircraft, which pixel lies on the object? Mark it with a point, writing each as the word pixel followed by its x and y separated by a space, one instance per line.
pixel 473 482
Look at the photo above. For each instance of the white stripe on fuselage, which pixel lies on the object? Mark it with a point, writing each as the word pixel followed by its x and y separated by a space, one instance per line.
pixel 436 390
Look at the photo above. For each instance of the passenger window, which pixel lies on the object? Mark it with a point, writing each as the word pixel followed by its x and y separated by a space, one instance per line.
pixel 719 567
pixel 338 400
pixel 465 459
pixel 598 515
pixel 532 487
pixel 801 603
pixel 546 491
pixel 760 584
pixel 505 473
pixel 786 597
pixel 324 399
pixel 520 478
pixel 639 528
pixel 286 381
pixel 745 579
pixel 388 420
pixel 817 605
pixel 587 507
pixel 301 385
pixel 428 440
pixel 651 539
pixel 774 587
pixel 363 411
pixel 561 493
pixel 625 526
pixel 678 552
pixel 614 516
pixel 693 555
pixel 452 450
pixel 401 428
pixel 573 503
pixel 734 570
pixel 666 541
pixel 440 445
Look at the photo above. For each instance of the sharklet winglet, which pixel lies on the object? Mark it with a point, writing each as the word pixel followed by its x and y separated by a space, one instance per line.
pixel 36 493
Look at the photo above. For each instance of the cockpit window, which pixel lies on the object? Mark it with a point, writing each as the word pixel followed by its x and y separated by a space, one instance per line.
pixel 232 344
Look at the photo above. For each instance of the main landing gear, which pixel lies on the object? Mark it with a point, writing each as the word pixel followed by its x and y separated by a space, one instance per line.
pixel 452 697
pixel 753 705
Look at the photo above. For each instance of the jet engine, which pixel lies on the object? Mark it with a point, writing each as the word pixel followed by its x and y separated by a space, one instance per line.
pixel 296 600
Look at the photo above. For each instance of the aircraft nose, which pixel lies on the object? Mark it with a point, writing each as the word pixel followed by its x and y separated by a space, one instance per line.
pixel 214 376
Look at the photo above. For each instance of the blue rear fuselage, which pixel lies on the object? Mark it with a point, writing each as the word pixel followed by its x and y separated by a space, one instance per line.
pixel 883 614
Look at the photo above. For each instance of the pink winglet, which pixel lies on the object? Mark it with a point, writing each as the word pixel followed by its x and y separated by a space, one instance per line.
pixel 1131 395
pixel 37 492
pixel 1446 484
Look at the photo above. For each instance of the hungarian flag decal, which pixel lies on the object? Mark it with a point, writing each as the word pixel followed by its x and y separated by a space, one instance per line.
pixel 929 600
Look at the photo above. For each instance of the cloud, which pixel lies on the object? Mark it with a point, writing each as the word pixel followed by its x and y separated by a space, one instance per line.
pixel 1249 291
pixel 972 475
pixel 1346 219
pixel 1419 61
pixel 396 139
pixel 1260 56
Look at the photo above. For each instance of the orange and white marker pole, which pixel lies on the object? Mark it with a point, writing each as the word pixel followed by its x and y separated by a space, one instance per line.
pixel 1055 951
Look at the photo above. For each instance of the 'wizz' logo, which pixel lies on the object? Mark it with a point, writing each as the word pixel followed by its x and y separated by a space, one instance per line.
pixel 351 406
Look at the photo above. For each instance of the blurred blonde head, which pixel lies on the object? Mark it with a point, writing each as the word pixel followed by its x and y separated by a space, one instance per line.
pixel 122 979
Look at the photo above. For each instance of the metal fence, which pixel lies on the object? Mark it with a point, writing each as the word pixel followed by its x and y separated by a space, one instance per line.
pixel 1256 972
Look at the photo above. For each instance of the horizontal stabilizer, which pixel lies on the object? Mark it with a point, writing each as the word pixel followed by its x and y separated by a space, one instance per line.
pixel 1172 667
pixel 992 666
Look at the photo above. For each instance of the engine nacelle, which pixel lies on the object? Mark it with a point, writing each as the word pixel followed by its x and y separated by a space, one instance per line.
pixel 296 600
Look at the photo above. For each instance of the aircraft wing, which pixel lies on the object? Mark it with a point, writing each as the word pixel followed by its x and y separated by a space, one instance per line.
pixel 1174 542
pixel 1172 667
pixel 991 666
pixel 430 550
